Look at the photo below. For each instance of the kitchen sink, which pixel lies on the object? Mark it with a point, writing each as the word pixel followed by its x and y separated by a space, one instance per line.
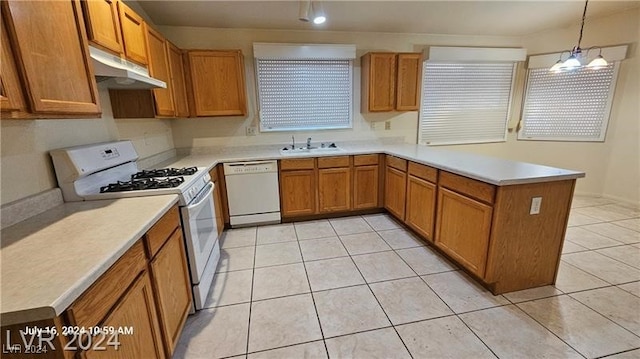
pixel 287 151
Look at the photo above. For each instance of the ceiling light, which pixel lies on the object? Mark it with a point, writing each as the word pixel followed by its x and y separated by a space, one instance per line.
pixel 574 61
pixel 319 17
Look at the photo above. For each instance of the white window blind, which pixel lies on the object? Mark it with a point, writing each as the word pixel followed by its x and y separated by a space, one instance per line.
pixel 464 102
pixel 568 106
pixel 304 94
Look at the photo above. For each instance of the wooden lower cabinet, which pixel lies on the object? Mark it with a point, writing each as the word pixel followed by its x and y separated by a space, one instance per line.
pixel 463 227
pixel 170 277
pixel 137 310
pixel 298 192
pixel 395 191
pixel 365 187
pixel 334 189
pixel 421 204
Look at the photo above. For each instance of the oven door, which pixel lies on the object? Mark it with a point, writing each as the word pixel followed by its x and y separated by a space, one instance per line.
pixel 200 230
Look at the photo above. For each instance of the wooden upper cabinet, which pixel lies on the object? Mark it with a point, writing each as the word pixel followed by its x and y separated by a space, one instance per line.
pixel 159 68
pixel 103 24
pixel 11 98
pixel 378 81
pixel 391 81
pixel 178 84
pixel 408 82
pixel 217 83
pixel 133 34
pixel 49 43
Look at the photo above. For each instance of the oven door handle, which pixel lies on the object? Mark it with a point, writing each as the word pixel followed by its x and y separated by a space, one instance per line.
pixel 202 200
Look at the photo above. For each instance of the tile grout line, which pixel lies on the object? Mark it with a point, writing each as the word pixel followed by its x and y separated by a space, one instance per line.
pixel 253 276
pixel 395 251
pixel 313 299
pixel 603 315
pixel 376 298
pixel 447 304
pixel 549 330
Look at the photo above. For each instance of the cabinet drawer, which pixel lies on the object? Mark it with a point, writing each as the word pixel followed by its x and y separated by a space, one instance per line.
pixel 332 162
pixel 425 172
pixel 397 163
pixel 365 160
pixel 96 302
pixel 297 164
pixel 479 190
pixel 160 232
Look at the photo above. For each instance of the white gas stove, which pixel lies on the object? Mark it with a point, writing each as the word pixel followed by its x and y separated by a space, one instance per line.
pixel 109 171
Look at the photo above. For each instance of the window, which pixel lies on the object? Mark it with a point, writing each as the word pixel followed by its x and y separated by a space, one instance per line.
pixel 569 106
pixel 466 95
pixel 304 87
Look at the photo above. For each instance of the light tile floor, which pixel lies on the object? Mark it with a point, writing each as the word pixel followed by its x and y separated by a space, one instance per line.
pixel 365 287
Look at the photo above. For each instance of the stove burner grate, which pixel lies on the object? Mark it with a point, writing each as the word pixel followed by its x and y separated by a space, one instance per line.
pixel 142 184
pixel 165 172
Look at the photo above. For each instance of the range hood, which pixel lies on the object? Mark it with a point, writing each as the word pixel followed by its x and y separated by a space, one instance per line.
pixel 113 72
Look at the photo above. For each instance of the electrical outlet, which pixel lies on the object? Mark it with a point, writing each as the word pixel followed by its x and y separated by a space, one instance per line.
pixel 145 137
pixel 373 125
pixel 536 202
pixel 387 125
pixel 252 130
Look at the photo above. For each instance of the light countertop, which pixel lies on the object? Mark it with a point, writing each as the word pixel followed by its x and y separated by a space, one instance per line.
pixel 493 170
pixel 49 260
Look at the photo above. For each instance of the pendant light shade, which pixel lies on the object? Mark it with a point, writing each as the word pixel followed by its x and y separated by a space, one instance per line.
pixel 571 63
pixel 576 58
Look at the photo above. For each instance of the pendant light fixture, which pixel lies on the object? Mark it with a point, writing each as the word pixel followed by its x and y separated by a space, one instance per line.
pixel 313 8
pixel 576 57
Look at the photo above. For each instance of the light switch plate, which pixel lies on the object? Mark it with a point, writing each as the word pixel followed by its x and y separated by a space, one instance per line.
pixel 536 202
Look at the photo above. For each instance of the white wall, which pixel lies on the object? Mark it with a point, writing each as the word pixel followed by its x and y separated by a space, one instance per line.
pixel 230 131
pixel 25 144
pixel 612 167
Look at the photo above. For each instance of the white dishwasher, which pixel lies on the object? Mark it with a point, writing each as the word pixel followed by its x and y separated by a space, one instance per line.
pixel 253 192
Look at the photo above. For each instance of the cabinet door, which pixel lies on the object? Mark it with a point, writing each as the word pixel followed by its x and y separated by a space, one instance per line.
pixel 177 81
pixel 421 204
pixel 395 191
pixel 334 189
pixel 11 98
pixel 217 80
pixel 50 46
pixel 103 25
pixel 365 187
pixel 133 34
pixel 159 68
pixel 137 310
pixel 463 227
pixel 381 81
pixel 409 80
pixel 172 288
pixel 298 192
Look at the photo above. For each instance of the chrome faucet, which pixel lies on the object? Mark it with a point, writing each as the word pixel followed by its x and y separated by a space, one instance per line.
pixel 293 142
pixel 309 143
